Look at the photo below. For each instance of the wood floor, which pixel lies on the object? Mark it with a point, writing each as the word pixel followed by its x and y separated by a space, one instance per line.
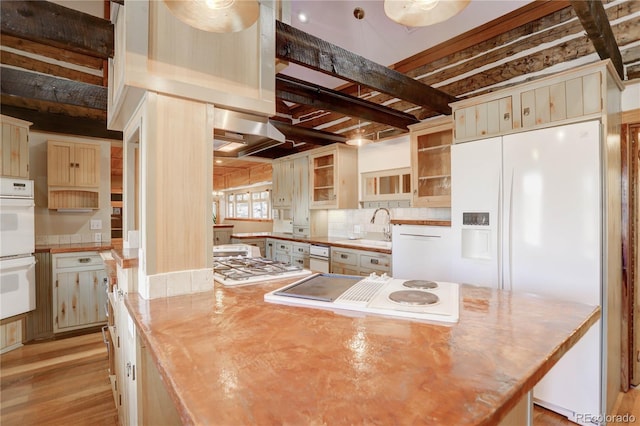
pixel 61 382
pixel 65 382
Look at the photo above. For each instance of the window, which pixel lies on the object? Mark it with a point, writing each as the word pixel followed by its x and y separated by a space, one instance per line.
pixel 253 204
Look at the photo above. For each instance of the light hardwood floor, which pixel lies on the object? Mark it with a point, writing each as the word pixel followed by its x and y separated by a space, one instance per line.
pixel 61 382
pixel 65 382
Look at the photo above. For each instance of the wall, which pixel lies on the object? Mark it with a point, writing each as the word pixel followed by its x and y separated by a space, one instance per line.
pixel 53 227
pixel 631 95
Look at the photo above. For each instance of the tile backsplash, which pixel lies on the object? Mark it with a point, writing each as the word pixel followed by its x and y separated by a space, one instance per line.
pixel 356 223
pixel 88 237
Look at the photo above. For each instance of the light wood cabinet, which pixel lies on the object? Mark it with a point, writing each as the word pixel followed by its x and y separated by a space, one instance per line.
pixel 222 236
pixel 385 185
pixel 300 196
pixel 563 100
pixel 333 177
pixel 258 242
pixel 484 119
pixel 73 175
pixel 431 163
pixel 79 291
pixel 300 254
pixel 282 183
pixel 558 99
pixel 359 262
pixel 14 147
pixel 73 164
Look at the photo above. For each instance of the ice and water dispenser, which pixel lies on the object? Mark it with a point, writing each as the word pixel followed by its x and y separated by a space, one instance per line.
pixel 476 235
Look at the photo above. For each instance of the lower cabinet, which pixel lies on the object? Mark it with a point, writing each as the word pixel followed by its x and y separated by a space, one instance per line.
pixel 359 262
pixel 300 254
pixel 79 291
pixel 222 236
pixel 258 242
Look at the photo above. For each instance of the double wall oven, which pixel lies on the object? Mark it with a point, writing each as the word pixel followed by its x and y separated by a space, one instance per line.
pixel 17 247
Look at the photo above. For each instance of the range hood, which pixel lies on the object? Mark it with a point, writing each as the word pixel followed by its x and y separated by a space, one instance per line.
pixel 237 134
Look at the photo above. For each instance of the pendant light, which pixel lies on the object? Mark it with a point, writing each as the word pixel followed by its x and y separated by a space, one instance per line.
pixel 420 13
pixel 218 16
pixel 358 138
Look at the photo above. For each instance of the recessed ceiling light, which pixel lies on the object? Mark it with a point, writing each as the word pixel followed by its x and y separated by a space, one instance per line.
pixel 302 17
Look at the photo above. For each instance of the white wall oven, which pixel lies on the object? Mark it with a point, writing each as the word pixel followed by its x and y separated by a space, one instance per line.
pixel 17 247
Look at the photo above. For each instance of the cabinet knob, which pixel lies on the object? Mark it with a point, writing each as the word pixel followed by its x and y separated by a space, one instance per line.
pixel 526 111
pixel 506 116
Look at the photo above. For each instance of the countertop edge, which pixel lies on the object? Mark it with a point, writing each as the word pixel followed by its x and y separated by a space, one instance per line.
pixel 72 248
pixel 426 222
pixel 328 241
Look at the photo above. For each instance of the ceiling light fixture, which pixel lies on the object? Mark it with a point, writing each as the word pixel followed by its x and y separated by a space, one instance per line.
pixel 420 13
pixel 358 138
pixel 218 16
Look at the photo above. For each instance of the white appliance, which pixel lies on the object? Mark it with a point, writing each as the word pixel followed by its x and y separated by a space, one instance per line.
pixel 422 252
pixel 17 245
pixel 226 250
pixel 526 216
pixel 319 256
pixel 376 294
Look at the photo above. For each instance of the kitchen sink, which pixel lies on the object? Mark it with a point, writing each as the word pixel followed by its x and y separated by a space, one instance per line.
pixel 367 243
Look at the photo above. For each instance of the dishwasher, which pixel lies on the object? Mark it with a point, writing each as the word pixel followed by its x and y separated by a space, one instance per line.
pixel 319 256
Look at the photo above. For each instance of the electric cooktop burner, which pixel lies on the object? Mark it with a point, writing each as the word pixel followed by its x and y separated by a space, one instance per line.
pixel 413 297
pixel 421 284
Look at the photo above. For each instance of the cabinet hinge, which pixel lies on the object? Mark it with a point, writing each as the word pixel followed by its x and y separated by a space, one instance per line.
pixel 133 376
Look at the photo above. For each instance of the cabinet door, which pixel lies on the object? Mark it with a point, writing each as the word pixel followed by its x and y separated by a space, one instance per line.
pixel 431 167
pixel 87 169
pixel 14 152
pixel 60 163
pixel 80 299
pixel 282 183
pixel 300 197
pixel 322 176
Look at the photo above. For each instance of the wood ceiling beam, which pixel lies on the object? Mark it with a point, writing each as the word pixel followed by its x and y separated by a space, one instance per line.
pixel 298 91
pixel 54 25
pixel 59 123
pixel 31 64
pixel 309 51
pixel 31 85
pixel 303 134
pixel 52 52
pixel 596 23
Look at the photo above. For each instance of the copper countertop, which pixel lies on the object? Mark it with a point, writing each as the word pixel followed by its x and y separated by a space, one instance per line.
pixel 330 241
pixel 228 357
pixel 72 248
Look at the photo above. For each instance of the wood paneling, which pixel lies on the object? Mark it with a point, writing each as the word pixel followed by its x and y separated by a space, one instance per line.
pixel 40 321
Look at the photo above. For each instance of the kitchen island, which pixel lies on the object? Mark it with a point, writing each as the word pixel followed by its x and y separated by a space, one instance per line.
pixel 226 357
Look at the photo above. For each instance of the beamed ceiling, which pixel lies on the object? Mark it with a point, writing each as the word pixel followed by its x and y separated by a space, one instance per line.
pixel 522 45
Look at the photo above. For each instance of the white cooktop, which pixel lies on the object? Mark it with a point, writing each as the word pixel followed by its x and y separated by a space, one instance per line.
pixel 382 295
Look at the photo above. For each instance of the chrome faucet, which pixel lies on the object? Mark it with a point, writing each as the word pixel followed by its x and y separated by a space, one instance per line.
pixel 387 228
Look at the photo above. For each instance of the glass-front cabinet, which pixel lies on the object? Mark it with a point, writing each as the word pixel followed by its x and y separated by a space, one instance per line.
pixel 431 163
pixel 392 184
pixel 333 174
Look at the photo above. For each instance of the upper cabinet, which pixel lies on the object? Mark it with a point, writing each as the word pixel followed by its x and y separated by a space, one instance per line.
pixel 576 94
pixel 431 162
pixel 300 195
pixel 73 174
pixel 148 57
pixel 282 183
pixel 333 177
pixel 14 149
pixel 73 164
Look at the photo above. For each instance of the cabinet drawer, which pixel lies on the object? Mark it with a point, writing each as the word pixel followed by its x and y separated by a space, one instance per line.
pixel 375 262
pixel 339 269
pixel 344 257
pixel 78 261
pixel 282 247
pixel 302 261
pixel 300 249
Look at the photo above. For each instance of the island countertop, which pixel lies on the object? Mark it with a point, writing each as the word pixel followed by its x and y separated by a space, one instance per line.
pixel 227 357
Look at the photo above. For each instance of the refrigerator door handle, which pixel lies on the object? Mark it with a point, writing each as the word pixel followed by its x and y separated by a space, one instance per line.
pixel 510 235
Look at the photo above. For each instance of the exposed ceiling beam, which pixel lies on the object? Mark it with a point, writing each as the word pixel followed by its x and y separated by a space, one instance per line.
pixel 309 51
pixel 59 123
pixel 303 134
pixel 596 23
pixel 54 25
pixel 31 85
pixel 298 91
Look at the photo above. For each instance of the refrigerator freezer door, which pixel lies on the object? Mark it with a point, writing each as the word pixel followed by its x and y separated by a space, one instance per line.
pixel 551 242
pixel 475 191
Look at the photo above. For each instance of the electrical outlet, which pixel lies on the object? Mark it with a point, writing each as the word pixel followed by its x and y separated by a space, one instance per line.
pixel 96 224
pixel 97 237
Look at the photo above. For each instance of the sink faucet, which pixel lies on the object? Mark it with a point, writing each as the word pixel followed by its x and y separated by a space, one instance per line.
pixel 387 228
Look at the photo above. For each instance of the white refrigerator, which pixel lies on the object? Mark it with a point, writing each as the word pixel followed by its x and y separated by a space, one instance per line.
pixel 526 216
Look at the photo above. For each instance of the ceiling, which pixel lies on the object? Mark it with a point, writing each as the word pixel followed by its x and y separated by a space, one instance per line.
pixel 405 74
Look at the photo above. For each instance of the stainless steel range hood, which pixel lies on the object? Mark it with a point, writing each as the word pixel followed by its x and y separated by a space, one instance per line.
pixel 237 134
